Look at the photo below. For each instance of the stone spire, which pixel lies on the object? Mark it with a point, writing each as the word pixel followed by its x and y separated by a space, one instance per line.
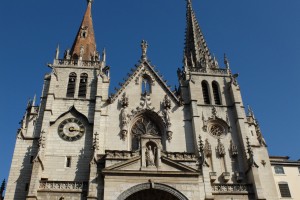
pixel 84 46
pixel 196 52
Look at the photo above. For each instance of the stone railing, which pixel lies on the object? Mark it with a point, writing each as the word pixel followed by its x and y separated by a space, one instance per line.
pixel 63 186
pixel 211 71
pixel 84 63
pixel 232 188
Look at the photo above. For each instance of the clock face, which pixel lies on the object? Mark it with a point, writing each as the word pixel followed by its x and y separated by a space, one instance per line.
pixel 71 129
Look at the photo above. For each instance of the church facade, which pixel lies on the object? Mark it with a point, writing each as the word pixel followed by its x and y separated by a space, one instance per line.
pixel 145 141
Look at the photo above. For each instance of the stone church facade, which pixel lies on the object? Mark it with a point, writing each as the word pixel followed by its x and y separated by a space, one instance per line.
pixel 145 141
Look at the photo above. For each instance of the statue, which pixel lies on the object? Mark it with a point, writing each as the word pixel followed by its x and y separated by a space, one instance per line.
pixel 144 46
pixel 67 54
pixel 81 51
pixel 150 158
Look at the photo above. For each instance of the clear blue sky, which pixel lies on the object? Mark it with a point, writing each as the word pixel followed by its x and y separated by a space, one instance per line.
pixel 260 37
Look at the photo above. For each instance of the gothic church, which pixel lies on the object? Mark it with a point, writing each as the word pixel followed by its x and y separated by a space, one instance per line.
pixel 145 141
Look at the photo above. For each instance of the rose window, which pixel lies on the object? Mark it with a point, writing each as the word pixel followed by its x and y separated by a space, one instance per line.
pixel 216 130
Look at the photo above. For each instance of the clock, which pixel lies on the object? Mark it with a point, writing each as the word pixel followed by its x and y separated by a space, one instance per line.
pixel 71 129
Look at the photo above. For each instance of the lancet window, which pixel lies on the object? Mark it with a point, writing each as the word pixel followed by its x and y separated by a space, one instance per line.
pixel 205 92
pixel 71 85
pixel 216 93
pixel 83 85
pixel 146 85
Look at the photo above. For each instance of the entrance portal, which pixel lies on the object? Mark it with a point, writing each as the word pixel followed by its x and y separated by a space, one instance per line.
pixel 151 191
pixel 152 194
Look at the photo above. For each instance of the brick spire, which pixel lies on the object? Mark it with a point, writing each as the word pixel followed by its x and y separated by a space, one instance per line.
pixel 196 52
pixel 84 46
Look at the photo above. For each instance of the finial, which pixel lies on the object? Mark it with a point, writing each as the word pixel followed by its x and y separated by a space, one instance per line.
pixel 90 1
pixel 144 46
pixel 189 2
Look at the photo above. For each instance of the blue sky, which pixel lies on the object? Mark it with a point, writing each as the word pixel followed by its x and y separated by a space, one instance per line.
pixel 260 38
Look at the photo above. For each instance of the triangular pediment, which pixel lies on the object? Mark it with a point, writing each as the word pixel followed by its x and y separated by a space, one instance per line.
pixel 145 68
pixel 166 167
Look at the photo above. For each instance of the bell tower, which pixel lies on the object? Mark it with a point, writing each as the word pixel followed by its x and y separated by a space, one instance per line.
pixel 229 151
pixel 60 137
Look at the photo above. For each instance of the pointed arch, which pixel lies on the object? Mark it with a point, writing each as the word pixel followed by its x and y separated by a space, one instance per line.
pixel 71 84
pixel 83 85
pixel 205 92
pixel 146 123
pixel 216 93
pixel 73 111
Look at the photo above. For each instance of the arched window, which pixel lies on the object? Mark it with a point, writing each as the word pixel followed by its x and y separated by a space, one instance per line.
pixel 215 87
pixel 82 85
pixel 205 92
pixel 146 85
pixel 71 85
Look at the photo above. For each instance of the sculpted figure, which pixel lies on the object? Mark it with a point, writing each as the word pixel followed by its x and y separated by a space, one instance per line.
pixel 150 158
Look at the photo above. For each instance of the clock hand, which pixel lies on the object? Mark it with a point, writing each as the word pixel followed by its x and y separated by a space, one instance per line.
pixel 72 129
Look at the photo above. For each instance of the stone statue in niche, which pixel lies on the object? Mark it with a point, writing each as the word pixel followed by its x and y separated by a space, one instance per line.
pixel 220 149
pixel 124 116
pixel 166 115
pixel 150 155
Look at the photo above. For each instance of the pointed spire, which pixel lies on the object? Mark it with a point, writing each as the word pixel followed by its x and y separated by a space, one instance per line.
pixel 34 99
pixel 196 50
pixel 84 46
pixel 57 52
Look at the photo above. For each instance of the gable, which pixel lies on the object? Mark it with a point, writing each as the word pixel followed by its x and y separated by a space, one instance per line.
pixel 142 70
pixel 167 167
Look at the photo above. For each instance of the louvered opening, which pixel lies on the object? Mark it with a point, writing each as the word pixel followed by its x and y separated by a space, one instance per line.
pixel 71 85
pixel 216 93
pixel 284 190
pixel 83 86
pixel 205 92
